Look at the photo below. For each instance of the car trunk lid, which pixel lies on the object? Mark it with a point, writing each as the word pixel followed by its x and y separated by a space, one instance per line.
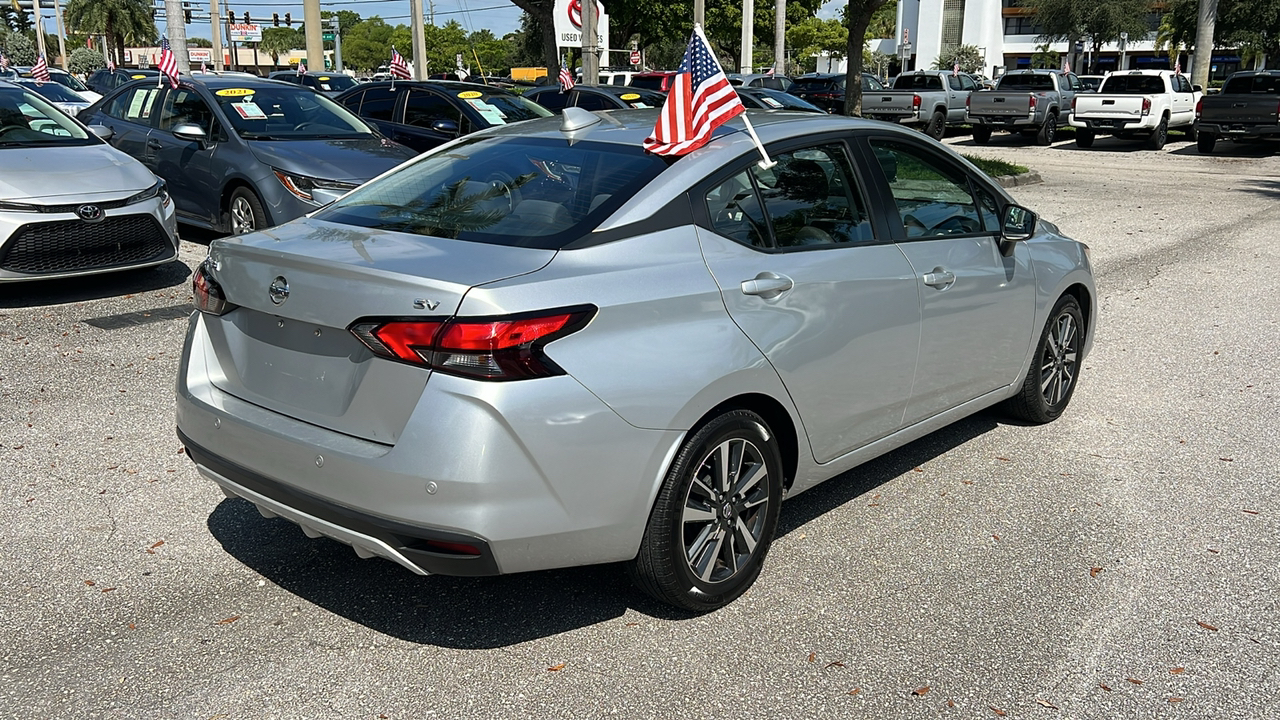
pixel 298 287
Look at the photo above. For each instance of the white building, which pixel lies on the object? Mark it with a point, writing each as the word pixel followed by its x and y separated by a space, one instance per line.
pixel 1005 33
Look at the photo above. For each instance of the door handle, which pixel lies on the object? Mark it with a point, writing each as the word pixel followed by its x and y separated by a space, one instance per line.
pixel 767 285
pixel 939 278
pixel 155 145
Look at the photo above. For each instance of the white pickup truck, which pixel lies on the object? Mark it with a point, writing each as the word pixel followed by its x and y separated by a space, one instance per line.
pixel 1137 103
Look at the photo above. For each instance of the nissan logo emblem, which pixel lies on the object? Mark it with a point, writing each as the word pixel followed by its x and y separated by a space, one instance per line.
pixel 90 213
pixel 279 290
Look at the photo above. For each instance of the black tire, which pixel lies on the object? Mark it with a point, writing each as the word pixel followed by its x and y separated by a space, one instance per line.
pixel 1159 136
pixel 1190 132
pixel 1084 138
pixel 1055 366
pixel 937 126
pixel 244 212
pixel 1205 142
pixel 981 134
pixel 661 568
pixel 1048 131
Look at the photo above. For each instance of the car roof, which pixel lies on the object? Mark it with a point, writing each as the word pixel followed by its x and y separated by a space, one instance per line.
pixel 446 85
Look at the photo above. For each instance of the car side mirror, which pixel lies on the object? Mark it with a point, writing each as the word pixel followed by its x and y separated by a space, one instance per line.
pixel 1017 224
pixel 102 131
pixel 1197 88
pixel 447 127
pixel 189 131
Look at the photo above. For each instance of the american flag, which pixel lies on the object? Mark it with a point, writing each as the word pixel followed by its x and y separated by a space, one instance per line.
pixel 1177 67
pixel 111 65
pixel 700 100
pixel 203 68
pixel 399 68
pixel 41 71
pixel 302 68
pixel 1066 66
pixel 168 64
pixel 955 69
pixel 4 61
pixel 566 77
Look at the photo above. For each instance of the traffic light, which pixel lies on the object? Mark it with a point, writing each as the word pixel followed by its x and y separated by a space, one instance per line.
pixel 275 19
pixel 288 21
pixel 186 16
pixel 231 17
pixel 246 17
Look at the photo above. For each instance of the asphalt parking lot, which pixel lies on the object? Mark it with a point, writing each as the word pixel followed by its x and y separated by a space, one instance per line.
pixel 1122 562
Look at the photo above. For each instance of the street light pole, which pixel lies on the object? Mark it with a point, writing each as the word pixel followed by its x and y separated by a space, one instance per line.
pixel 418 34
pixel 748 35
pixel 779 37
pixel 700 12
pixel 315 34
pixel 176 30
pixel 215 21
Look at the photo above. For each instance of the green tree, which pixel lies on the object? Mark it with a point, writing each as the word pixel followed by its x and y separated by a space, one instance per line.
pixel 199 42
pixel 120 20
pixel 1102 21
pixel 1045 58
pixel 277 41
pixel 20 50
pixel 1253 26
pixel 814 36
pixel 15 18
pixel 84 61
pixel 970 60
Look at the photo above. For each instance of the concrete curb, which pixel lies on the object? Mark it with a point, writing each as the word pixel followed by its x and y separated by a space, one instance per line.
pixel 1026 178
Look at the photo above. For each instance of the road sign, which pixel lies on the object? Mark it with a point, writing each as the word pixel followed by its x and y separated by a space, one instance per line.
pixel 244 32
pixel 326 37
pixel 200 55
pixel 635 57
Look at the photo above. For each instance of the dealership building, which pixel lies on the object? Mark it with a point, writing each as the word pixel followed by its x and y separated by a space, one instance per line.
pixel 1005 32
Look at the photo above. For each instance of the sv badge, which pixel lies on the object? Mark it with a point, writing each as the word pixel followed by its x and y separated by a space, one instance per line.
pixel 421 304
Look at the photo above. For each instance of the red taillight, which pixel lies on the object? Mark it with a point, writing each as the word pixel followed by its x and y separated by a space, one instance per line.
pixel 967 104
pixel 1073 103
pixel 1031 103
pixel 209 297
pixel 1146 106
pixel 484 348
pixel 1199 108
pixel 915 102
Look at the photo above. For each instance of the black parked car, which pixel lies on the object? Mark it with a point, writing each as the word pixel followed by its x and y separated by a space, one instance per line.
pixel 596 97
pixel 241 153
pixel 424 114
pixel 104 81
pixel 331 84
pixel 826 90
pixel 767 99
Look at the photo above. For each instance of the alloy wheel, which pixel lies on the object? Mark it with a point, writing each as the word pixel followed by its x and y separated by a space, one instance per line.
pixel 725 511
pixel 242 220
pixel 1058 364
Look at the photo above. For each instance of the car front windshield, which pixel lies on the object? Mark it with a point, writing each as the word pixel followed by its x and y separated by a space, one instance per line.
pixel 69 80
pixel 28 120
pixel 330 83
pixel 501 108
pixel 286 112
pixel 640 98
pixel 508 190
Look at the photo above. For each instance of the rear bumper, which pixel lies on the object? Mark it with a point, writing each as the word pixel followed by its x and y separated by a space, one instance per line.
pixel 899 118
pixel 1116 125
pixel 1011 122
pixel 534 474
pixel 1232 130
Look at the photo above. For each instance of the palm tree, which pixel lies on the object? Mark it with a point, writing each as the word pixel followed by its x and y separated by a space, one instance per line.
pixel 119 20
pixel 277 41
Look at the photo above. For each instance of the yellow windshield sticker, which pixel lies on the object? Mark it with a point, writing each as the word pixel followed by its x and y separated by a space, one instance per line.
pixel 136 77
pixel 234 92
pixel 470 95
pixel 326 77
pixel 630 96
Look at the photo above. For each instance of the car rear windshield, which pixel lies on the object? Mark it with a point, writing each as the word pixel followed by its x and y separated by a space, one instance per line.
pixel 1020 82
pixel 1253 85
pixel 55 92
pixel 653 82
pixel 639 98
pixel 1132 85
pixel 917 82
pixel 510 190
pixel 329 83
pixel 819 84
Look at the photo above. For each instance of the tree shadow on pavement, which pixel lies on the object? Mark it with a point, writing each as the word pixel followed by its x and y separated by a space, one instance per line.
pixel 39 293
pixel 490 612
pixel 1269 189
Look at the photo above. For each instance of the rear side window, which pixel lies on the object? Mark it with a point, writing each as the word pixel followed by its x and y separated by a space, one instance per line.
pixel 423 109
pixel 509 190
pixel 379 104
pixel 551 99
pixel 134 105
pixel 587 101
pixel 931 193
pixel 1256 85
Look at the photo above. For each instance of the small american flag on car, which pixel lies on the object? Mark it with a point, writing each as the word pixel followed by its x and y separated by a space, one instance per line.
pixel 111 65
pixel 701 99
pixel 41 71
pixel 399 68
pixel 4 61
pixel 566 77
pixel 168 65
pixel 302 68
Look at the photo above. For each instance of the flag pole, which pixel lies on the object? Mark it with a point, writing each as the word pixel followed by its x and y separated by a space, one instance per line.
pixel 766 162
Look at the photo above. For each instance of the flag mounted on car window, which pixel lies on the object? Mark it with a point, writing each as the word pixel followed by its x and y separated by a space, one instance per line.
pixel 700 100
pixel 168 65
pixel 566 77
pixel 41 71
pixel 399 68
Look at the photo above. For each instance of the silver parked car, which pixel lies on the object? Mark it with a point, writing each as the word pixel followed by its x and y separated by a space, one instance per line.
pixel 71 204
pixel 539 346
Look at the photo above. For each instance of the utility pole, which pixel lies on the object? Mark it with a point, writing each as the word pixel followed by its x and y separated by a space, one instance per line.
pixel 314 32
pixel 176 31
pixel 418 33
pixel 700 13
pixel 337 42
pixel 215 22
pixel 62 33
pixel 590 43
pixel 1203 59
pixel 35 5
pixel 431 12
pixel 748 35
pixel 780 38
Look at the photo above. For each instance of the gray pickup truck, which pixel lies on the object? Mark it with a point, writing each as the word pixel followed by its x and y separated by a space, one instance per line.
pixel 1248 108
pixel 929 99
pixel 1025 101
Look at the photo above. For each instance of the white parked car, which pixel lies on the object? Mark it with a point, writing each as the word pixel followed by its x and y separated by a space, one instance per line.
pixel 1137 103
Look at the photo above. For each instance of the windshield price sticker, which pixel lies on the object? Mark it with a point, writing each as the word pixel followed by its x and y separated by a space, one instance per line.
pixel 630 96
pixel 771 102
pixel 470 95
pixel 234 92
pixel 491 114
pixel 139 76
pixel 249 111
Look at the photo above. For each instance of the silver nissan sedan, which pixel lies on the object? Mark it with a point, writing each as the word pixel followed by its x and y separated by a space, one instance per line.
pixel 539 346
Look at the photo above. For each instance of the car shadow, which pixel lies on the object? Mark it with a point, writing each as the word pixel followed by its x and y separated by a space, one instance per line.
pixel 39 293
pixel 491 612
pixel 1228 149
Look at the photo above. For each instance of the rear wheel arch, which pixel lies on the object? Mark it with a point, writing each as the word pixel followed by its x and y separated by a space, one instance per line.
pixel 778 420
